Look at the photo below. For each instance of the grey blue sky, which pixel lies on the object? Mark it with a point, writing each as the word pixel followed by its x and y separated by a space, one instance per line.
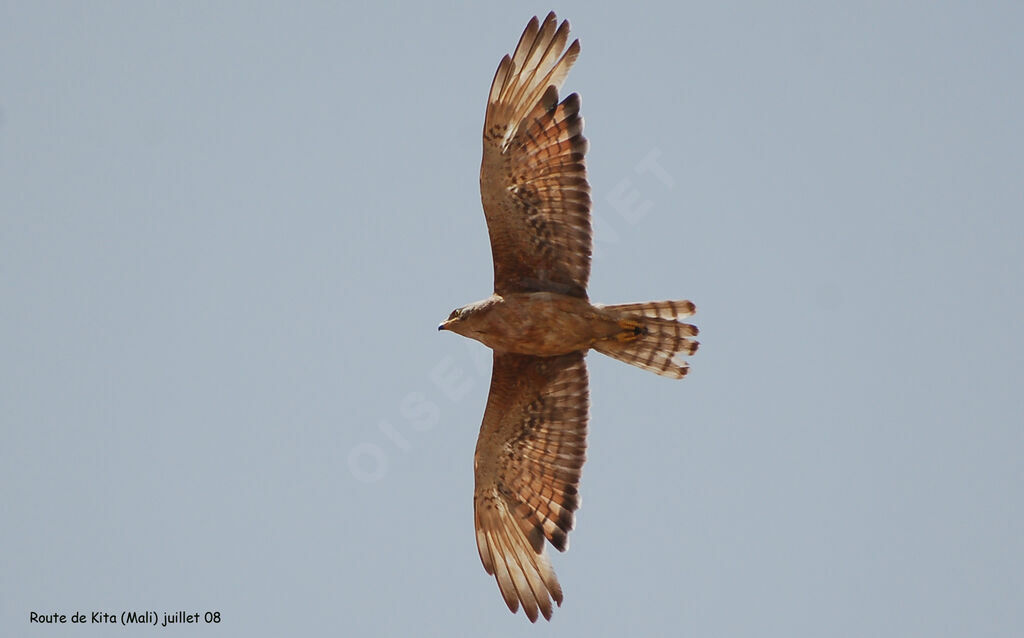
pixel 228 232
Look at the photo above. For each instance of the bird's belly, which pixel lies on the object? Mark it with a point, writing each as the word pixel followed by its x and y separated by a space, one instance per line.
pixel 544 324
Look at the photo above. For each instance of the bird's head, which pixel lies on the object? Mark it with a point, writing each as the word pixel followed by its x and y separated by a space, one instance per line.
pixel 466 319
pixel 456 319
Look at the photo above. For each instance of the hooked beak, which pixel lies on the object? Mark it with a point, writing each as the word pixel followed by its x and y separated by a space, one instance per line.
pixel 444 326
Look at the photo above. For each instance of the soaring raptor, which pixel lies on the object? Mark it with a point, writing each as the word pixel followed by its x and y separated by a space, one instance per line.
pixel 539 321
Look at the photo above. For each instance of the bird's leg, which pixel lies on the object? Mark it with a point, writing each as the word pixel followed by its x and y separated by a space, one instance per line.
pixel 631 330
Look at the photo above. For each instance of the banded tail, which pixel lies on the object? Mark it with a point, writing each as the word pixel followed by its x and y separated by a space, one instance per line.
pixel 652 337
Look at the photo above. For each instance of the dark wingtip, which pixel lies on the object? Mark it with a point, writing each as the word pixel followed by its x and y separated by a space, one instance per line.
pixel 559 540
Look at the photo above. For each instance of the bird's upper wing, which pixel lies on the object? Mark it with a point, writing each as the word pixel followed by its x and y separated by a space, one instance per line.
pixel 533 180
pixel 528 461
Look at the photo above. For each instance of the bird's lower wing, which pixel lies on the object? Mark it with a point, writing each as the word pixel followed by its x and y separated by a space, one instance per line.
pixel 528 462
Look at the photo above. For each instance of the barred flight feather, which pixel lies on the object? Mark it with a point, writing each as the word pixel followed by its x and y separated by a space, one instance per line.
pixel 529 458
pixel 533 179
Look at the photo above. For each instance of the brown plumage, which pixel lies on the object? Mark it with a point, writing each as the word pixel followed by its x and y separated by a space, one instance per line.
pixel 540 322
pixel 527 464
pixel 533 181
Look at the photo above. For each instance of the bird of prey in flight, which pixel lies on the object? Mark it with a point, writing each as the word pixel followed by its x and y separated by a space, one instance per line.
pixel 540 322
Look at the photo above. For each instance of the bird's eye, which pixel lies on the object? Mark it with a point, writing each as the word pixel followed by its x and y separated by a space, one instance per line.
pixel 454 315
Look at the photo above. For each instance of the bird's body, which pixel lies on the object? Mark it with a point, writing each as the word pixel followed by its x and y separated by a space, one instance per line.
pixel 540 323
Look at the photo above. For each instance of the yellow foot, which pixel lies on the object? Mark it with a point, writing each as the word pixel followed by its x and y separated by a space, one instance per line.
pixel 631 330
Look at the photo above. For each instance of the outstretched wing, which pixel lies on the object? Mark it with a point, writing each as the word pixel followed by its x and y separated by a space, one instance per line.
pixel 533 180
pixel 528 461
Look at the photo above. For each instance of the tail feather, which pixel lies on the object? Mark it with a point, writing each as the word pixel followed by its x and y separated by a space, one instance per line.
pixel 652 336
